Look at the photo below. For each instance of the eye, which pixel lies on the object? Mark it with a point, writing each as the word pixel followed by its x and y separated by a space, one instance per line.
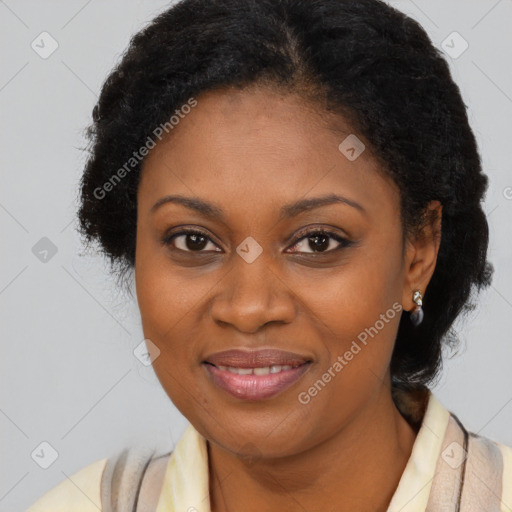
pixel 190 240
pixel 320 241
pixel 316 240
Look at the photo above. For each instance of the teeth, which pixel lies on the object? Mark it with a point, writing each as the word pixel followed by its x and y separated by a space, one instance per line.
pixel 265 370
pixel 262 371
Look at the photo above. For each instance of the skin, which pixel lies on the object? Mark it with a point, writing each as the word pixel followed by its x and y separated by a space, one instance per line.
pixel 250 152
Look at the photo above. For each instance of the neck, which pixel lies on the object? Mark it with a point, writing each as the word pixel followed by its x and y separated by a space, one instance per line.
pixel 360 466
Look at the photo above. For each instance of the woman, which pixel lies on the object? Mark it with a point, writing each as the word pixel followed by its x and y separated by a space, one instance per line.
pixel 284 179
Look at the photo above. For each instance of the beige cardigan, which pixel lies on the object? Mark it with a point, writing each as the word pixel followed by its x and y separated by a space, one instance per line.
pixel 428 484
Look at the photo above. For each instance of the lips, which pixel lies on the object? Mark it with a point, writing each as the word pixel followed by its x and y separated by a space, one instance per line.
pixel 256 358
pixel 255 375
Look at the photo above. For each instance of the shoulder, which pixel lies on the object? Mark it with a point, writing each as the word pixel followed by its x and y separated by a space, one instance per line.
pixel 81 492
pixel 486 464
pixel 447 456
pixel 114 482
pixel 502 460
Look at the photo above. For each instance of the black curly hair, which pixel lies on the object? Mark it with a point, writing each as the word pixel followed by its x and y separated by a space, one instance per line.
pixel 361 59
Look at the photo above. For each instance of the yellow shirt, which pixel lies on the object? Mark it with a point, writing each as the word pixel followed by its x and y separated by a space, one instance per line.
pixel 186 478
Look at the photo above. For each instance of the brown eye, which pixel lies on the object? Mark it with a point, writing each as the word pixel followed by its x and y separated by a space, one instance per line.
pixel 190 241
pixel 320 241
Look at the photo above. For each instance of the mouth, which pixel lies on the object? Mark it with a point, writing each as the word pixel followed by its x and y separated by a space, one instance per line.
pixel 255 375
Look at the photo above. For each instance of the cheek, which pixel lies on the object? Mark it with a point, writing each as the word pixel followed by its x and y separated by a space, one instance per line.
pixel 358 313
pixel 170 322
pixel 163 307
pixel 166 305
pixel 163 299
pixel 167 295
pixel 356 297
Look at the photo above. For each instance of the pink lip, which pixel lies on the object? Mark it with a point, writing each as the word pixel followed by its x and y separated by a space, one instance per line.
pixel 255 387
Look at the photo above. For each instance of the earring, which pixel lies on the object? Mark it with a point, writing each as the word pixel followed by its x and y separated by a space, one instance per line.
pixel 416 314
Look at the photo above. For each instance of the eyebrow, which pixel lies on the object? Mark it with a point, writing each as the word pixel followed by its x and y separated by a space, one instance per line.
pixel 287 211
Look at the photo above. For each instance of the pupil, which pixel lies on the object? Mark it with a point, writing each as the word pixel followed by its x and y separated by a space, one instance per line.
pixel 195 242
pixel 319 242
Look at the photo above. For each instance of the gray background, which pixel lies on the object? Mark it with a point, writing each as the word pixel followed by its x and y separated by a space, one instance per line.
pixel 69 376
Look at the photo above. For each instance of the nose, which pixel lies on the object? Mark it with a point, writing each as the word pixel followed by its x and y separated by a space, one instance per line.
pixel 252 295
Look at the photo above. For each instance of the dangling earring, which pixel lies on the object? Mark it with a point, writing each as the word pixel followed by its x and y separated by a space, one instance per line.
pixel 416 314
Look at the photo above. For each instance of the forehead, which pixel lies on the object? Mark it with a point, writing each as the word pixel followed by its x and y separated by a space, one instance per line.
pixel 238 147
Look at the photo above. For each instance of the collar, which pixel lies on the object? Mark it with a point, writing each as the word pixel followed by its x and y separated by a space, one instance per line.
pixel 186 485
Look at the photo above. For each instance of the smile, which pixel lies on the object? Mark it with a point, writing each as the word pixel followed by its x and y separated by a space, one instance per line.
pixel 257 383
pixel 265 370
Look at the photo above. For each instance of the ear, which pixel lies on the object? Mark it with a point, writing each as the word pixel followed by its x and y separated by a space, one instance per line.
pixel 420 255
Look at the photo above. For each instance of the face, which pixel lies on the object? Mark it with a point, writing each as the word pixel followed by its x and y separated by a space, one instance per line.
pixel 259 257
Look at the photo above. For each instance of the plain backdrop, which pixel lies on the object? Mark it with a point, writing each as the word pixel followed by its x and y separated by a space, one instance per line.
pixel 69 375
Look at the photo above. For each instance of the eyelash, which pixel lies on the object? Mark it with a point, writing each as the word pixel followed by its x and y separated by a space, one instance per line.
pixel 344 242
